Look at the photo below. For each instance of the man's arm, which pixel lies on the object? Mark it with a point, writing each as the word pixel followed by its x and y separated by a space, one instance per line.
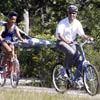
pixel 63 39
pixel 86 37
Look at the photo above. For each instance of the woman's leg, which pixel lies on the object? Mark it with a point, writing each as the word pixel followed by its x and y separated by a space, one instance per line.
pixel 5 47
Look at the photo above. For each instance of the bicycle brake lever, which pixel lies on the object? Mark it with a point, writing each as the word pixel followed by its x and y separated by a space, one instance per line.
pixel 25 41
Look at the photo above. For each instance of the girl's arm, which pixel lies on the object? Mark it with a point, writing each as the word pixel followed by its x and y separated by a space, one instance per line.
pixel 1 31
pixel 18 34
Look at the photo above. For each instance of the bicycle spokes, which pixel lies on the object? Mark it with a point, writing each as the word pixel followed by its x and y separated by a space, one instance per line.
pixel 60 83
pixel 91 80
pixel 2 77
pixel 15 73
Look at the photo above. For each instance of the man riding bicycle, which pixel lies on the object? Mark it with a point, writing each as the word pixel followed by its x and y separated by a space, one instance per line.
pixel 66 33
pixel 6 33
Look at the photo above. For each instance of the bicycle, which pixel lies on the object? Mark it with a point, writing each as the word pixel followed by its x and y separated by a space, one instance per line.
pixel 89 74
pixel 11 68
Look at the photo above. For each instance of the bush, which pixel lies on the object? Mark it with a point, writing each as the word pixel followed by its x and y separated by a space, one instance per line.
pixel 38 63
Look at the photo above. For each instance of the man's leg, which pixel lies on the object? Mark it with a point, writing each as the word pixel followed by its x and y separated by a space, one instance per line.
pixel 69 51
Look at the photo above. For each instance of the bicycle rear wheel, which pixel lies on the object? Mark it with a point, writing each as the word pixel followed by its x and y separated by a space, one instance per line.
pixel 91 80
pixel 59 82
pixel 15 73
pixel 3 77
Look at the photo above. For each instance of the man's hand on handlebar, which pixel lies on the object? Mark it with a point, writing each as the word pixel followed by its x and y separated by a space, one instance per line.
pixel 90 39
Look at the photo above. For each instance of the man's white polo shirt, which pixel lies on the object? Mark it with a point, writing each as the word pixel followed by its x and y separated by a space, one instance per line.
pixel 69 31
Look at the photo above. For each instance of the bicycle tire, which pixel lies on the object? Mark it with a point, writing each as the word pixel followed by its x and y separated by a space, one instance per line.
pixel 15 73
pixel 3 72
pixel 59 82
pixel 91 80
pixel 3 77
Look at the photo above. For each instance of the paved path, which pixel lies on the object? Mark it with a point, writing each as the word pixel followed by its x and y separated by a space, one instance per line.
pixel 75 93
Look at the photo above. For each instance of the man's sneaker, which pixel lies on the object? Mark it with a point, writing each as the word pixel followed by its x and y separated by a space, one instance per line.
pixel 63 72
pixel 1 69
pixel 80 83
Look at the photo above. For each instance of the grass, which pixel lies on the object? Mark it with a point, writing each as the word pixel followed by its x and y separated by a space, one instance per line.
pixel 30 95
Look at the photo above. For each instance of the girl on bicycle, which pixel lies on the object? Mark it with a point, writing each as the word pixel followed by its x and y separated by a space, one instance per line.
pixel 6 33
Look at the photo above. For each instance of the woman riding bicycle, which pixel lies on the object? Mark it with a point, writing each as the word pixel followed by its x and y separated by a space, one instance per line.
pixel 66 33
pixel 6 33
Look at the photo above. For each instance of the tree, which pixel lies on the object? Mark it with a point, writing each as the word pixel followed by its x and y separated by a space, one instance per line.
pixel 26 21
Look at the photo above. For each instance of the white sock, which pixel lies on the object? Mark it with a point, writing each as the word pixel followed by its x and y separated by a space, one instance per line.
pixel 65 74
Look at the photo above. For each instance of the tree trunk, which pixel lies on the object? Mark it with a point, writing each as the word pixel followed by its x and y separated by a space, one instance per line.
pixel 26 21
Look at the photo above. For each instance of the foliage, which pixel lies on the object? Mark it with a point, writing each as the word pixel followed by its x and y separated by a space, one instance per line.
pixel 45 14
pixel 2 17
pixel 38 63
pixel 44 17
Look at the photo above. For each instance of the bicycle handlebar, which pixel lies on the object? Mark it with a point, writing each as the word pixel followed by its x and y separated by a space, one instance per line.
pixel 18 42
pixel 83 43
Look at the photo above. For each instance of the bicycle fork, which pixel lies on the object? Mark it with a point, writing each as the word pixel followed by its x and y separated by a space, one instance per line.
pixel 13 62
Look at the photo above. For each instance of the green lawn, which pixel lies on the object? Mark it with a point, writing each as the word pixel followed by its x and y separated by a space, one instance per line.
pixel 27 95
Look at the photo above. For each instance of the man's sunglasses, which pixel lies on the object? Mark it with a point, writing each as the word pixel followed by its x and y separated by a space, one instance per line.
pixel 72 12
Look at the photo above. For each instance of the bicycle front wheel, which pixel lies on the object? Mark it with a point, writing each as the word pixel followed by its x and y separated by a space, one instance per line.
pixel 3 77
pixel 91 79
pixel 58 81
pixel 15 73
